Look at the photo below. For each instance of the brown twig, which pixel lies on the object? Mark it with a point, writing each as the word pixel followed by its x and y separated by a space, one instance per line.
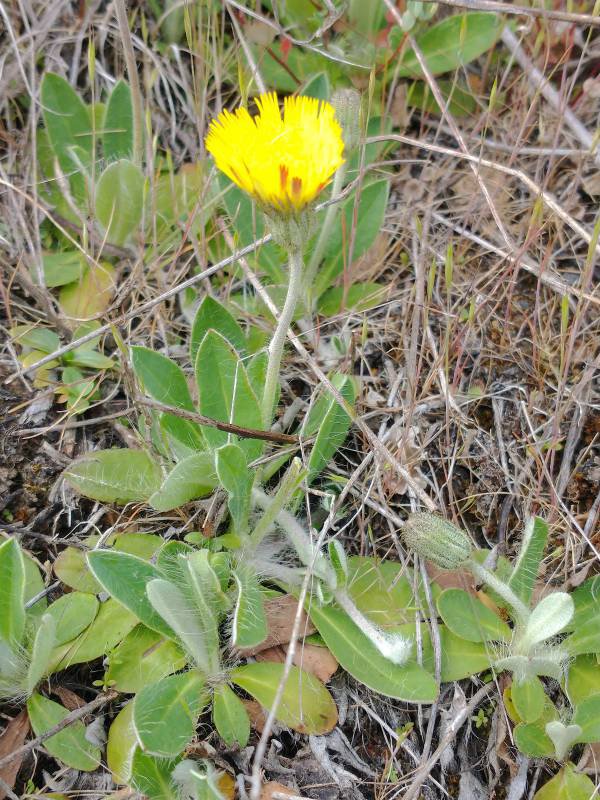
pixel 228 427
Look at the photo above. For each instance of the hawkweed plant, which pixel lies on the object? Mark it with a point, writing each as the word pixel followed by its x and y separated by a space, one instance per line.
pixel 283 162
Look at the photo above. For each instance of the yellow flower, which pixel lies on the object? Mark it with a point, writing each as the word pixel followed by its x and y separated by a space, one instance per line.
pixel 282 163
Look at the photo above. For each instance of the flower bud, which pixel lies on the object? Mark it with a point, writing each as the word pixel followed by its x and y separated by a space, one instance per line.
pixel 437 539
pixel 346 103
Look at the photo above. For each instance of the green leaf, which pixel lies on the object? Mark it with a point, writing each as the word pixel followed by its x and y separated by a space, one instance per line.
pixel 34 584
pixel 451 43
pixel 91 359
pixel 587 716
pixel 72 568
pixel 366 18
pixel 256 368
pixel 367 219
pixel 527 565
pixel 284 71
pixel 331 422
pixel 230 717
pixel 69 129
pixel 184 437
pixel 115 476
pixel 461 101
pixel 72 614
pixel 248 225
pixel 41 652
pixel 120 200
pixel 532 740
pixel 318 86
pixel 168 561
pixel 117 136
pixel 358 297
pixel 196 633
pixel 469 618
pixel 225 393
pixel 587 602
pixel 191 478
pixel 12 595
pixel 567 785
pixel 69 745
pixel 583 679
pixel 113 622
pixel 211 315
pixel 121 745
pixel 249 625
pixel 35 337
pixel 141 659
pixel 382 590
pixel 125 578
pixel 151 777
pixel 161 378
pixel 460 658
pixel 165 714
pixel 88 297
pixel 306 706
pixel 586 639
pixel 549 617
pixel 62 268
pixel 359 656
pixel 237 480
pixel 529 698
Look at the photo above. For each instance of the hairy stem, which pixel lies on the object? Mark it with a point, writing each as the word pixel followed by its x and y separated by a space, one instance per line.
pixel 299 538
pixel 520 610
pixel 296 265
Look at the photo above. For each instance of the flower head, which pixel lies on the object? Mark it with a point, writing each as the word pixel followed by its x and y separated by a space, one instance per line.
pixel 283 163
pixel 436 539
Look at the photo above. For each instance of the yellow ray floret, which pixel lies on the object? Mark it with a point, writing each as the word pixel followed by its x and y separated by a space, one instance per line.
pixel 282 162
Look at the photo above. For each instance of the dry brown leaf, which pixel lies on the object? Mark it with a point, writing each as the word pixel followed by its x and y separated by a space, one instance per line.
pixel 280 613
pixel 451 578
pixel 269 789
pixel 227 786
pixel 69 699
pixel 257 714
pixel 316 660
pixel 13 737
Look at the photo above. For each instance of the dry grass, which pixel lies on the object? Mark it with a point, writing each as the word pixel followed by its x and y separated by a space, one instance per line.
pixel 479 370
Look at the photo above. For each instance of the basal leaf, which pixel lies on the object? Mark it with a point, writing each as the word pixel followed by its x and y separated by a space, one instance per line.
pixel 141 659
pixel 12 594
pixel 469 618
pixel 120 200
pixel 125 578
pixel 359 656
pixel 117 135
pixel 165 713
pixel 190 479
pixel 211 315
pixel 451 43
pixel 70 745
pixel 115 476
pixel 225 393
pixel 527 565
pixel 230 717
pixel 306 705
pixel 331 422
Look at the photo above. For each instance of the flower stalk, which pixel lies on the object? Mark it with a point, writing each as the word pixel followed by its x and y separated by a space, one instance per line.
pixel 296 265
